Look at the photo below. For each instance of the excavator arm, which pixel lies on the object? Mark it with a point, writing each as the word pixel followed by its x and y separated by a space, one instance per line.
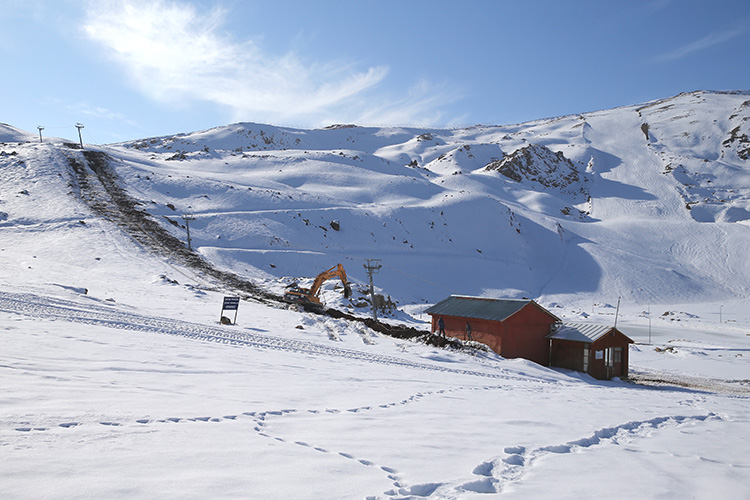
pixel 337 270
pixel 310 296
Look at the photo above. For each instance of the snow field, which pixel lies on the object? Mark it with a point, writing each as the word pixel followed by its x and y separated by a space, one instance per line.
pixel 118 381
pixel 100 411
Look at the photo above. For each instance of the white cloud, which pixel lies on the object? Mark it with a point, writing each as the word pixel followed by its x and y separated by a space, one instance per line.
pixel 698 45
pixel 173 53
pixel 84 110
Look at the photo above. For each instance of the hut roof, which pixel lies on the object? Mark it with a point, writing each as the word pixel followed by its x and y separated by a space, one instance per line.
pixel 583 332
pixel 480 307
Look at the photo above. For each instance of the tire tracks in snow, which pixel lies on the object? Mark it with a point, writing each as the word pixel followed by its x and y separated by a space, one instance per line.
pixel 37 306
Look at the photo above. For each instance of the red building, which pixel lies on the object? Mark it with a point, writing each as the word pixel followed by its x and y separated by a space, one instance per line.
pixel 511 328
pixel 600 351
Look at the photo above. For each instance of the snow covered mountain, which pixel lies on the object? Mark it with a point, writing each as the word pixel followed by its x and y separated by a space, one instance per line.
pixel 119 382
pixel 650 203
pixel 626 202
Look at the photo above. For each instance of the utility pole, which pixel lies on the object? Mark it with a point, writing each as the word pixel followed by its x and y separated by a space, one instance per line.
pixel 617 312
pixel 40 132
pixel 372 267
pixel 187 218
pixel 79 126
pixel 649 324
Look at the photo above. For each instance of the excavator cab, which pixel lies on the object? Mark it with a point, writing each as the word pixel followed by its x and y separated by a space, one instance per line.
pixel 309 297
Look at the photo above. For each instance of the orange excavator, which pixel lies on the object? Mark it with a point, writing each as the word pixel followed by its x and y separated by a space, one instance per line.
pixel 309 296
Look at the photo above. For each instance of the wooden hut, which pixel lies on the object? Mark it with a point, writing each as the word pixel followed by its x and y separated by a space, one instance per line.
pixel 511 328
pixel 600 351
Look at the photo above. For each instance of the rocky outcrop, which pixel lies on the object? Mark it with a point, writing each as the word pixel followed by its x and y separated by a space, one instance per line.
pixel 540 165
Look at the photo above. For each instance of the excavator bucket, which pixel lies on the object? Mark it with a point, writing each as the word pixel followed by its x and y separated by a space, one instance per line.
pixel 347 291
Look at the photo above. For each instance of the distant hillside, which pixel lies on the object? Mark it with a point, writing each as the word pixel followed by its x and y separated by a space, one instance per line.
pixel 648 202
pixel 12 134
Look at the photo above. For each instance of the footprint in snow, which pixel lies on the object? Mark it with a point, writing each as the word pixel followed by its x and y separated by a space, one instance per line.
pixel 484 469
pixel 484 485
pixel 514 460
pixel 420 490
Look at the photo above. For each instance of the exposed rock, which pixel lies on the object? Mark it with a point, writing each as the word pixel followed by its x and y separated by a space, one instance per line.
pixel 743 143
pixel 539 164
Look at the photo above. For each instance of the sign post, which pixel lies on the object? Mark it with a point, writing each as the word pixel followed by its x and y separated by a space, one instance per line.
pixel 230 303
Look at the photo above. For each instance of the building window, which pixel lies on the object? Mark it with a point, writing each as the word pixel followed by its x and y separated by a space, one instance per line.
pixel 618 354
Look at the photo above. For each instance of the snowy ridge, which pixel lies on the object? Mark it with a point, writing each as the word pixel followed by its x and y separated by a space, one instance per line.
pixel 570 194
pixel 12 134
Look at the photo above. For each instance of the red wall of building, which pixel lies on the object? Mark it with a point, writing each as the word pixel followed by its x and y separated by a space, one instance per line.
pixel 567 354
pixel 481 330
pixel 523 335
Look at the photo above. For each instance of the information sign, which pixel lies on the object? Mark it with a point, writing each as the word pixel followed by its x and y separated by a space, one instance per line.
pixel 230 304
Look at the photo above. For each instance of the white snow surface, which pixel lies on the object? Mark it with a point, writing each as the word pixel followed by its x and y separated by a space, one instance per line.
pixel 119 382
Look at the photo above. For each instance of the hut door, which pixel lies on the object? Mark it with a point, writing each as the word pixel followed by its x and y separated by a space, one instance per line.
pixel 609 361
pixel 617 362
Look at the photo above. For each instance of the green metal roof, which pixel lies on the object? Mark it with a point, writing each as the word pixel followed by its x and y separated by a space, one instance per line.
pixel 583 332
pixel 478 307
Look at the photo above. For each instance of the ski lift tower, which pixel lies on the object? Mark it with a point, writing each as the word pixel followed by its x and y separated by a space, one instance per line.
pixel 372 267
pixel 79 126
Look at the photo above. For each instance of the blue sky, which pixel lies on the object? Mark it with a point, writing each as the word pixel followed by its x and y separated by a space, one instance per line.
pixel 130 69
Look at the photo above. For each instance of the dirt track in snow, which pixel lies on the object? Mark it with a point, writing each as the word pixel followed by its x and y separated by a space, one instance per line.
pixel 100 187
pixel 705 384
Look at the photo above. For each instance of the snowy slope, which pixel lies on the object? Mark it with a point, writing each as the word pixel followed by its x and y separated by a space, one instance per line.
pixel 587 216
pixel 9 133
pixel 119 382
